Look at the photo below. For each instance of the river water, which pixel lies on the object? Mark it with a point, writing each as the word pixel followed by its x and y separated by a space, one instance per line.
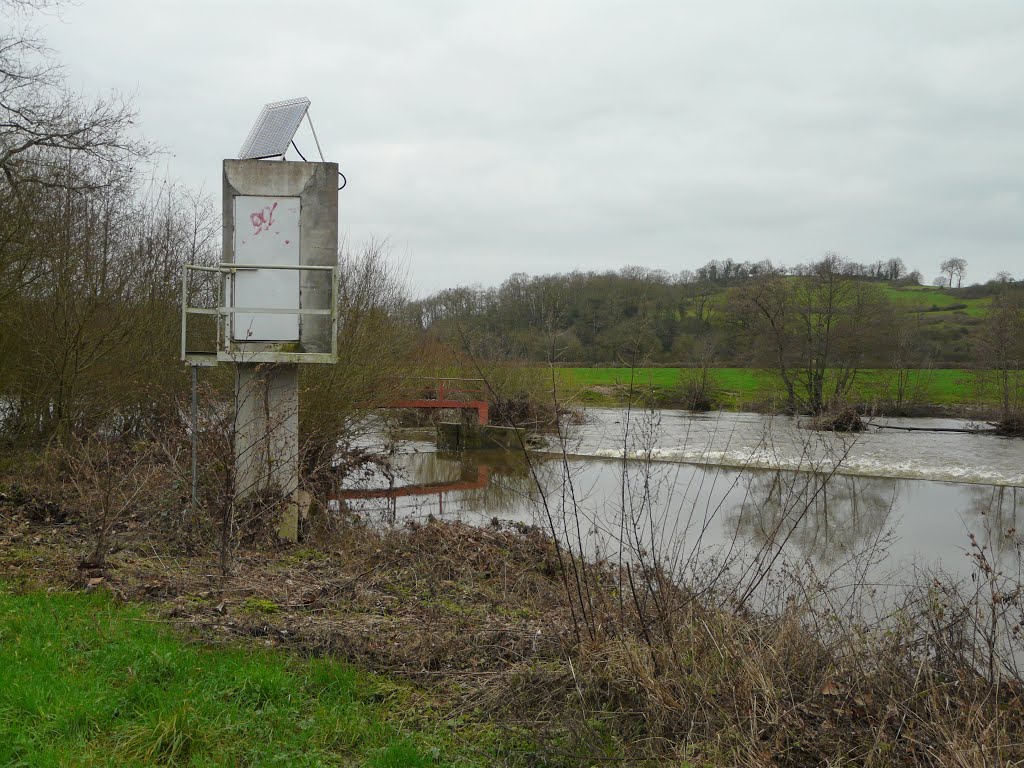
pixel 673 484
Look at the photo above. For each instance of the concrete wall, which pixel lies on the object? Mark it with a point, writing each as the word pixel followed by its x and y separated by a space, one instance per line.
pixel 267 428
pixel 461 436
pixel 316 184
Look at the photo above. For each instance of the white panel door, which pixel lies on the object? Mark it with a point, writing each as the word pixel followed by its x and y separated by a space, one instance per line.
pixel 266 232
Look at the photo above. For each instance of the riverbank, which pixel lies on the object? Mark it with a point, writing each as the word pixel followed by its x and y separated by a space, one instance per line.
pixel 524 654
pixel 940 392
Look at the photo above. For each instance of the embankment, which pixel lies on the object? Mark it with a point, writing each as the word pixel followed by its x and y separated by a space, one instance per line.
pixel 546 657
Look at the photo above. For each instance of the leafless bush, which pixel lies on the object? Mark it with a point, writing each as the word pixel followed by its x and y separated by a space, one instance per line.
pixel 377 362
pixel 90 331
pixel 698 387
pixel 115 481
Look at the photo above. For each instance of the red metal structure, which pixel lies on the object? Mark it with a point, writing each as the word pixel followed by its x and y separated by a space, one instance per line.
pixel 448 395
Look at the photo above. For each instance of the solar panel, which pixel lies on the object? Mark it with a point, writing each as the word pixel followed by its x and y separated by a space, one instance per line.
pixel 274 129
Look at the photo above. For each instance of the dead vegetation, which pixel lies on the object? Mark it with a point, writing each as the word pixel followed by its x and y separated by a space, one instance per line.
pixel 841 418
pixel 502 626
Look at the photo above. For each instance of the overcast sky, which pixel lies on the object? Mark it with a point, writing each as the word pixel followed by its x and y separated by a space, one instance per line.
pixel 485 138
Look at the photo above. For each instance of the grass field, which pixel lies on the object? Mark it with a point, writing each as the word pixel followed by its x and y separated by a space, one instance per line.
pixel 917 298
pixel 925 299
pixel 741 387
pixel 88 682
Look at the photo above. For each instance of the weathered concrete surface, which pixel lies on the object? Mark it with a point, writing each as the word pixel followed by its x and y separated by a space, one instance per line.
pixel 316 184
pixel 267 437
pixel 462 436
pixel 267 396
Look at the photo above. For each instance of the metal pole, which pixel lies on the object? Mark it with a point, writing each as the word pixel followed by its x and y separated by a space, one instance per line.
pixel 310 121
pixel 195 437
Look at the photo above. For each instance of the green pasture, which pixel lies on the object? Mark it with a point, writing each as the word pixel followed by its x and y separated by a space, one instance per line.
pixel 741 387
pixel 85 681
pixel 926 299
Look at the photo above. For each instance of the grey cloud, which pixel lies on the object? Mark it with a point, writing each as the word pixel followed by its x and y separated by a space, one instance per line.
pixel 486 138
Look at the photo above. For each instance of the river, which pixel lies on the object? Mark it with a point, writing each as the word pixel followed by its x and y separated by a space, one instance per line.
pixel 676 484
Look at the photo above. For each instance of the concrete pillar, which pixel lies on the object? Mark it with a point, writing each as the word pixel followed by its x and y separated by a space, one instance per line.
pixel 267 436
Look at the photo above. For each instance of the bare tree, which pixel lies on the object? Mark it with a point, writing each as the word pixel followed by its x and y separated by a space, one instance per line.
pixel 92 327
pixel 894 269
pixel 910 359
pixel 954 267
pixel 698 384
pixel 68 266
pixel 815 330
pixel 376 356
pixel 41 120
pixel 1002 351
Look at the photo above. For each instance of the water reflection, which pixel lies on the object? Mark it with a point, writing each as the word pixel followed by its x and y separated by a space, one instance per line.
pixel 608 504
pixel 826 518
pixel 449 485
pixel 998 514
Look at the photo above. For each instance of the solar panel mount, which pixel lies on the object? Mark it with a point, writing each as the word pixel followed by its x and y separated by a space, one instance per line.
pixel 274 129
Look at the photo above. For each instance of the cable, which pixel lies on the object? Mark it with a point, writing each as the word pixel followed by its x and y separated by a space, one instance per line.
pixel 344 179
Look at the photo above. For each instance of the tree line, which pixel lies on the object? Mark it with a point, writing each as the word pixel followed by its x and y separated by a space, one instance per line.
pixel 816 324
pixel 665 318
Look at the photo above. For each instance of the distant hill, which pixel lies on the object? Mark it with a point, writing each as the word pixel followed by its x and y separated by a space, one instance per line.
pixel 659 318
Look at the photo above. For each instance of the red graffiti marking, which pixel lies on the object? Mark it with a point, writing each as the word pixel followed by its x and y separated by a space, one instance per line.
pixel 263 219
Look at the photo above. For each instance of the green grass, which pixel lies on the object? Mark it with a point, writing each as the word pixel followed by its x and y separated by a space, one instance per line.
pixel 925 299
pixel 85 681
pixel 739 386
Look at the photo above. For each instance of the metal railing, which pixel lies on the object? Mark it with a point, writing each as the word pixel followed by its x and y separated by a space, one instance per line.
pixel 224 343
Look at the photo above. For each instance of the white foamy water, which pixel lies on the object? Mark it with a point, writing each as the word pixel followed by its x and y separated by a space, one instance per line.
pixel 777 442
